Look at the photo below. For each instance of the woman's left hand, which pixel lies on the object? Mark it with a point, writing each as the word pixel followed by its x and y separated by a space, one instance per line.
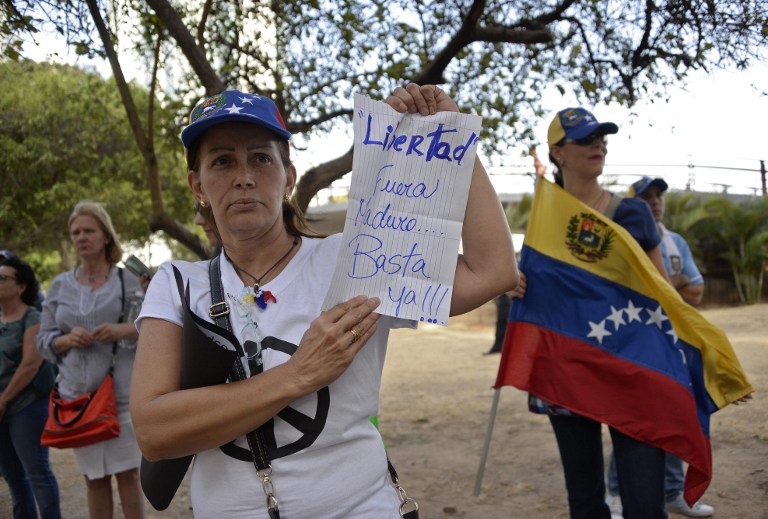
pixel 332 341
pixel 424 99
pixel 108 332
pixel 522 285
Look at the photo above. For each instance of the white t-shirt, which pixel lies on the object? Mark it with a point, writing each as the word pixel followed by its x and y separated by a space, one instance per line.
pixel 343 472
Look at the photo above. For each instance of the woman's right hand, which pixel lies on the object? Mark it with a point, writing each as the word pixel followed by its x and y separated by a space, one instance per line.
pixel 333 339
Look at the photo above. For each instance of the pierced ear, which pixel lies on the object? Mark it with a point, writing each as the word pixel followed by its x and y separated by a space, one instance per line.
pixel 193 179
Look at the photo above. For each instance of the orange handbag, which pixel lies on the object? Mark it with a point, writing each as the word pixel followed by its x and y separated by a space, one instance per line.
pixel 88 419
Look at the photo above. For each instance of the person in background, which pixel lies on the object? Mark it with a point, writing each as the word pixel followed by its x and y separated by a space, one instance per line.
pixel 40 296
pixel 502 313
pixel 208 229
pixel 83 321
pixel 678 260
pixel 689 283
pixel 300 362
pixel 24 462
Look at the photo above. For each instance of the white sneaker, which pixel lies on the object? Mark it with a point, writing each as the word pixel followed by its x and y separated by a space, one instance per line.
pixel 614 503
pixel 679 506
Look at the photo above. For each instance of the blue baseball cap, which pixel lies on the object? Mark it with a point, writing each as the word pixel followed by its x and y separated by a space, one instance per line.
pixel 576 123
pixel 233 105
pixel 642 185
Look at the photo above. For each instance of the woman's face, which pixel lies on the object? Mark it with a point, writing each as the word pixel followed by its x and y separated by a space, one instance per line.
pixel 89 239
pixel 9 285
pixel 242 176
pixel 581 160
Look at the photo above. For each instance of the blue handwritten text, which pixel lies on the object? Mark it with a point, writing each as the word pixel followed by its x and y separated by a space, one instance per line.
pixel 436 147
pixel 367 263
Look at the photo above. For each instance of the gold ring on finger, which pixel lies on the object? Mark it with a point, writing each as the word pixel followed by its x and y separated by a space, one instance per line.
pixel 355 335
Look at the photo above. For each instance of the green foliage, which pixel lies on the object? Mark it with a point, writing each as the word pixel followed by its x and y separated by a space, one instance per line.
pixel 739 234
pixel 684 210
pixel 519 213
pixel 64 137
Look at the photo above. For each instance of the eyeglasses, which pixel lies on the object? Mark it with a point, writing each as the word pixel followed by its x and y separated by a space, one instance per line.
pixel 589 140
pixel 6 277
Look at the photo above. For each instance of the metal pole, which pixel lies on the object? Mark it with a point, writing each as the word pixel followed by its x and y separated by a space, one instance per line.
pixel 762 175
pixel 486 445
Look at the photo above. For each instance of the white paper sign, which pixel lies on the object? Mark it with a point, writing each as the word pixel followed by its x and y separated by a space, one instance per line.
pixel 410 181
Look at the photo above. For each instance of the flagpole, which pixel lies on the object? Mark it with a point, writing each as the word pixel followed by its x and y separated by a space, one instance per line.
pixel 486 445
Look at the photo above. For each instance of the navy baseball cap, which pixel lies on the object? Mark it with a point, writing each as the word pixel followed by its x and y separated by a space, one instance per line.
pixel 233 105
pixel 642 185
pixel 576 123
pixel 5 253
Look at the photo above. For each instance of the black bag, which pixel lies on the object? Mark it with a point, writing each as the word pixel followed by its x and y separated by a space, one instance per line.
pixel 203 363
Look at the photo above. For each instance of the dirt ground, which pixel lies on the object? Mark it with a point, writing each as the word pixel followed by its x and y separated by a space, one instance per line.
pixel 436 399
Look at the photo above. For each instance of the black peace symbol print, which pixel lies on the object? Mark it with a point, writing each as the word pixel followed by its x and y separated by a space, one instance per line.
pixel 309 427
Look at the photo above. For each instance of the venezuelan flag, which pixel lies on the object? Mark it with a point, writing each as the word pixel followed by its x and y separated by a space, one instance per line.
pixel 602 333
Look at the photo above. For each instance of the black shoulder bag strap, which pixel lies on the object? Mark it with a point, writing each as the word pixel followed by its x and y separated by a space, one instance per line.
pixel 120 319
pixel 219 312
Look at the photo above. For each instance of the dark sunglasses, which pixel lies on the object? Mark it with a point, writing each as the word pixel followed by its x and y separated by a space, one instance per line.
pixel 5 277
pixel 588 140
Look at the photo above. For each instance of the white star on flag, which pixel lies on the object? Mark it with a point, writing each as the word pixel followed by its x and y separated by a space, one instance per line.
pixel 672 333
pixel 234 109
pixel 245 100
pixel 617 317
pixel 598 331
pixel 656 316
pixel 633 312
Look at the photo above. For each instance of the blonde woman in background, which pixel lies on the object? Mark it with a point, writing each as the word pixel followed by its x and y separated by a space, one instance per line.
pixel 80 325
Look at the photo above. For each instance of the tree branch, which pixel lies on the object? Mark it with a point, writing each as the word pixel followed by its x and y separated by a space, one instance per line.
pixel 188 45
pixel 300 127
pixel 319 177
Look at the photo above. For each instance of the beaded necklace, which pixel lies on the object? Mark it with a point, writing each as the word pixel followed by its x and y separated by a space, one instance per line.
pixel 254 294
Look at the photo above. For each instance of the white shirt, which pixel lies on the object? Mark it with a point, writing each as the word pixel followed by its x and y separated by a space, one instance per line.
pixel 343 471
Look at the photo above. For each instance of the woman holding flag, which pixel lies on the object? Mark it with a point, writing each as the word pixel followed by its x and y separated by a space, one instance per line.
pixel 617 336
pixel 578 146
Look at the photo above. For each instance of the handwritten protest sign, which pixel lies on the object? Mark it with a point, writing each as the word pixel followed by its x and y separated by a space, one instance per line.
pixel 410 182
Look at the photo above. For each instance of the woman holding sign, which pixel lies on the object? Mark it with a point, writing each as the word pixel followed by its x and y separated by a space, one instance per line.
pixel 307 381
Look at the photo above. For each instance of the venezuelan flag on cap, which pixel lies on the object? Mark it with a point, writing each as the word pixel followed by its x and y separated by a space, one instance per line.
pixel 602 333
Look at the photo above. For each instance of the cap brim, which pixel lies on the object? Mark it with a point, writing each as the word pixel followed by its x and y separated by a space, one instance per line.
pixel 658 182
pixel 591 129
pixel 195 130
pixel 607 129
